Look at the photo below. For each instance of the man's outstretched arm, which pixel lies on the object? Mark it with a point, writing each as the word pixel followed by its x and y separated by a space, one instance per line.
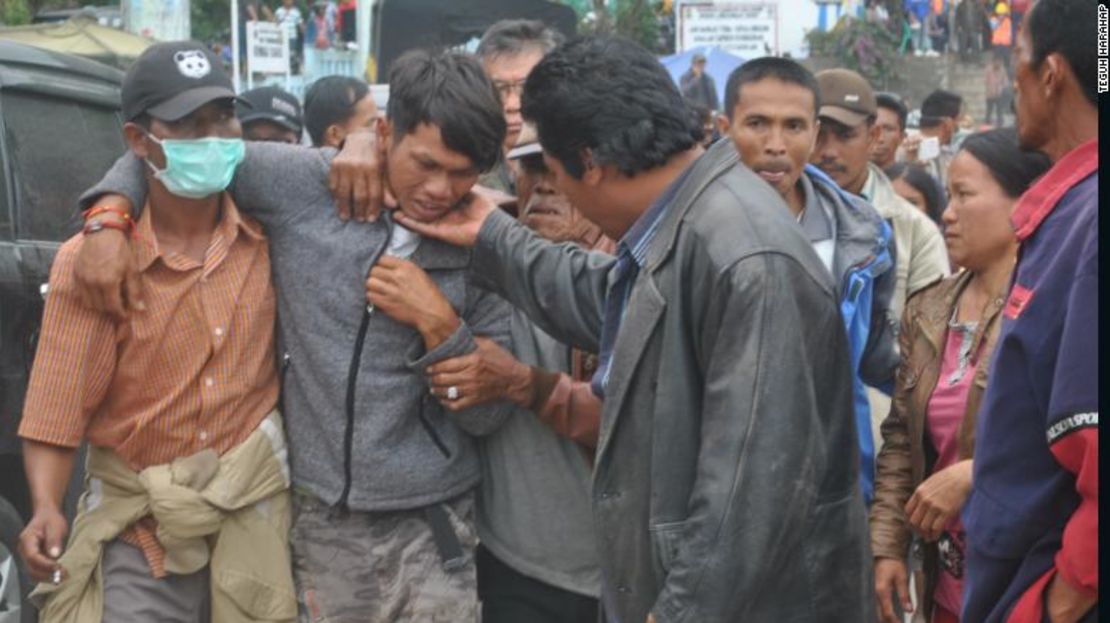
pixel 561 287
pixel 491 372
pixel 105 273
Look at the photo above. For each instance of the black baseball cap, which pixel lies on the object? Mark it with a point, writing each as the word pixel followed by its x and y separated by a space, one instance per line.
pixel 172 79
pixel 270 104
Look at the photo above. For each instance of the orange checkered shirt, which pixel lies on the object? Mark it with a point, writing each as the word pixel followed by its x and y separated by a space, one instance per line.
pixel 196 370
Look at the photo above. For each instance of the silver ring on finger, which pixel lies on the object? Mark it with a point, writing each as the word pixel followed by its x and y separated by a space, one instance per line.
pixel 453 393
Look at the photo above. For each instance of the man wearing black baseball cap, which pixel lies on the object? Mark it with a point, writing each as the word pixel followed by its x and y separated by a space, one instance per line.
pixel 178 403
pixel 385 524
pixel 270 114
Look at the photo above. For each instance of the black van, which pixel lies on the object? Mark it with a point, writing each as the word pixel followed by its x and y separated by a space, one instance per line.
pixel 60 131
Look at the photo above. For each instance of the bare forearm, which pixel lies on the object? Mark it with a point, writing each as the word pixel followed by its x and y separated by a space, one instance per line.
pixel 48 470
pixel 569 407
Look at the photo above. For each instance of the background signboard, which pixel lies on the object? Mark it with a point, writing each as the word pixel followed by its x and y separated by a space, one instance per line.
pixel 162 20
pixel 747 29
pixel 267 48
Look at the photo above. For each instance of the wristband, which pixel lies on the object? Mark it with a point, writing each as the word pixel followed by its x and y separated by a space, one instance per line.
pixel 91 227
pixel 98 210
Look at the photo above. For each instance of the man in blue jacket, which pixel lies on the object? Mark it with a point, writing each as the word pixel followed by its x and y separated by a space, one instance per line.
pixel 771 107
pixel 1032 519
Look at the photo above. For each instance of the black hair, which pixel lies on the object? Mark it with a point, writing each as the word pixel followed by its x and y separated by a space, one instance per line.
pixel 705 117
pixel 510 37
pixel 331 100
pixel 1012 167
pixel 892 102
pixel 450 91
pixel 611 96
pixel 924 183
pixel 1067 28
pixel 938 105
pixel 143 120
pixel 704 113
pixel 758 69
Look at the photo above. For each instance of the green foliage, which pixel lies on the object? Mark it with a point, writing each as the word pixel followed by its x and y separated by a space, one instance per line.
pixel 870 49
pixel 636 19
pixel 15 12
pixel 210 20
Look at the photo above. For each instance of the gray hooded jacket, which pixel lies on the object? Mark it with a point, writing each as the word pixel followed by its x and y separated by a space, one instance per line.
pixel 366 422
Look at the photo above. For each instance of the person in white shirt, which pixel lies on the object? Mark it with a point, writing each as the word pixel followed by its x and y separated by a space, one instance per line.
pixel 289 17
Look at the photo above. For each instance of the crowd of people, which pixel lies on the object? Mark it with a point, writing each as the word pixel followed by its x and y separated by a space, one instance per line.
pixel 536 344
pixel 935 27
pixel 309 28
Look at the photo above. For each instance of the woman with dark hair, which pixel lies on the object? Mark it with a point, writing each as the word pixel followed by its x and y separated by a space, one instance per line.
pixel 923 474
pixel 334 107
pixel 914 184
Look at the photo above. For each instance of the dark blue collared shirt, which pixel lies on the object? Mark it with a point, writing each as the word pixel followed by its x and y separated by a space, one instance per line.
pixel 631 254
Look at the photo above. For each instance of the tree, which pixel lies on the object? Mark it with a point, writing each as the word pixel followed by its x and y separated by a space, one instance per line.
pixel 635 19
pixel 15 12
pixel 210 20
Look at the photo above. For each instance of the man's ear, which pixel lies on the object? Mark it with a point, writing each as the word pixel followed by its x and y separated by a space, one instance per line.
pixel 593 173
pixel 334 135
pixel 816 138
pixel 723 124
pixel 136 138
pixel 1052 75
pixel 384 129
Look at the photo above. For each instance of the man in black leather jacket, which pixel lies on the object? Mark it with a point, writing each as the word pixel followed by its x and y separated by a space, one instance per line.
pixel 722 489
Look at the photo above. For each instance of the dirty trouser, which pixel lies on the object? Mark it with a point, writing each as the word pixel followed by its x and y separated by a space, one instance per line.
pixel 131 593
pixel 381 566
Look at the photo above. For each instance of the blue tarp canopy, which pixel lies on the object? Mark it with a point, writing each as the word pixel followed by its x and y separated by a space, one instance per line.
pixel 719 64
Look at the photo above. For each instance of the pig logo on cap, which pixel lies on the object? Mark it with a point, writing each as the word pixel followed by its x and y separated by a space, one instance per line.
pixel 192 63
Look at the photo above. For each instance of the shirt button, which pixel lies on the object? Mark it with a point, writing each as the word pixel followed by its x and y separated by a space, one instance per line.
pixel 219 331
pixel 203 435
pixel 209 382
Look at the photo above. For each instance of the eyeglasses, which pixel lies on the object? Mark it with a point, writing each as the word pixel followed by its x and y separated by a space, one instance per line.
pixel 505 89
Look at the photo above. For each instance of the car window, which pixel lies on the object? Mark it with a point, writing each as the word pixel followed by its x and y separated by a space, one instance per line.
pixel 57 148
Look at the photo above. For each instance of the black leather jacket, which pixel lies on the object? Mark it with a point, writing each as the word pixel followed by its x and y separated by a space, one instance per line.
pixel 726 482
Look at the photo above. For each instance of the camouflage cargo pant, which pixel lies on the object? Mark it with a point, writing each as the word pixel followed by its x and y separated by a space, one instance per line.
pixel 380 567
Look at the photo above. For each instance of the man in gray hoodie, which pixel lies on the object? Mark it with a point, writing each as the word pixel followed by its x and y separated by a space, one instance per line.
pixel 383 475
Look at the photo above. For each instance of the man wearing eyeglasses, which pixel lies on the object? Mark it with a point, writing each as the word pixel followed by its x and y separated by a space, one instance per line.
pixel 508 52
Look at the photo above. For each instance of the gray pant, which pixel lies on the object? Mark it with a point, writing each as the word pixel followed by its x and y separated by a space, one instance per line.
pixel 132 594
pixel 380 567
